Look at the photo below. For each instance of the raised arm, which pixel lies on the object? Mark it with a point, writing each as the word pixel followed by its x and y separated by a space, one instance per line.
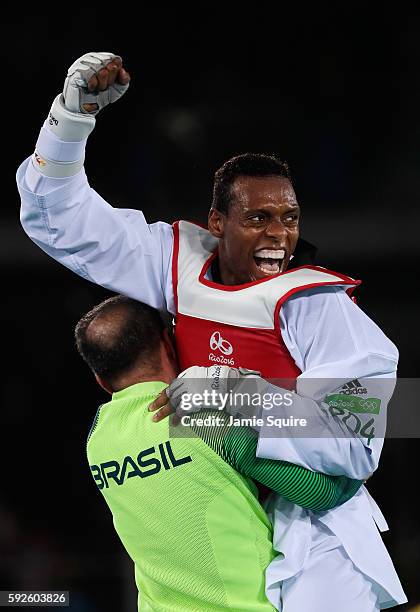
pixel 64 216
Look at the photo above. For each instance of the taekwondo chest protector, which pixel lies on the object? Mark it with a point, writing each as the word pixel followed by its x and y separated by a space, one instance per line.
pixel 234 325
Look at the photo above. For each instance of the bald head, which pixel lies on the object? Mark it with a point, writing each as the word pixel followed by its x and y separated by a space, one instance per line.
pixel 118 336
pixel 108 326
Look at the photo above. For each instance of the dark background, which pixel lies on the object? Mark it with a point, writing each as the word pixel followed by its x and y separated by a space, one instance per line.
pixel 336 94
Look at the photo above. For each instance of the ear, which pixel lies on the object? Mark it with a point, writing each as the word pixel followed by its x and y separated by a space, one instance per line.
pixel 102 383
pixel 216 223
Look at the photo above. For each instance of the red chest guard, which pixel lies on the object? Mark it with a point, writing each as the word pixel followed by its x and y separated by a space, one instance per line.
pixel 234 325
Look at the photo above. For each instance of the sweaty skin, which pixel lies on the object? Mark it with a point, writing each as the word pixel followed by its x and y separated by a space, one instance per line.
pixel 264 214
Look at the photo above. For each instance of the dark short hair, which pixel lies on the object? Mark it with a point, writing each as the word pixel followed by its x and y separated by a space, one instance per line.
pixel 117 334
pixel 247 164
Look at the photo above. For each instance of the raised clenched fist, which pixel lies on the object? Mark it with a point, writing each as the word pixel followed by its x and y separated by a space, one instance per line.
pixel 93 81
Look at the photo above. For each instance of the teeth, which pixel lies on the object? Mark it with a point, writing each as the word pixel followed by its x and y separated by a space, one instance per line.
pixel 273 268
pixel 270 254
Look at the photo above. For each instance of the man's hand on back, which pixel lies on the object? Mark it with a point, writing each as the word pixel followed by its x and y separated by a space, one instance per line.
pixel 203 388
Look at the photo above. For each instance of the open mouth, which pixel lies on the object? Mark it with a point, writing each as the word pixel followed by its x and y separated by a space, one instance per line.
pixel 269 261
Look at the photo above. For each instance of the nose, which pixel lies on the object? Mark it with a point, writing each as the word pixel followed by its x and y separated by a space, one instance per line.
pixel 276 229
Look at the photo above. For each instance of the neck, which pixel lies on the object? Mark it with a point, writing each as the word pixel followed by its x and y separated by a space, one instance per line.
pixel 215 272
pixel 222 275
pixel 134 378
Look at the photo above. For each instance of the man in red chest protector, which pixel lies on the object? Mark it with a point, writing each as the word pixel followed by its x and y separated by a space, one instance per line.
pixel 230 285
pixel 227 290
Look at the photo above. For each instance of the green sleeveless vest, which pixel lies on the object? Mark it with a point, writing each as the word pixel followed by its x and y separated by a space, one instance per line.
pixel 193 526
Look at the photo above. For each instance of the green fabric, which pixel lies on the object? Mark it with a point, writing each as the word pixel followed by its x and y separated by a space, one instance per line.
pixel 312 490
pixel 193 526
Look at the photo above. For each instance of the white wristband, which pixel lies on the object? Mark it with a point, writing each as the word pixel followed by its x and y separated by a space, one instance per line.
pixel 68 126
pixel 54 169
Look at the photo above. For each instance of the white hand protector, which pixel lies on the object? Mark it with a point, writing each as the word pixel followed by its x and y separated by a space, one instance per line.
pixel 197 388
pixel 201 388
pixel 67 119
pixel 75 90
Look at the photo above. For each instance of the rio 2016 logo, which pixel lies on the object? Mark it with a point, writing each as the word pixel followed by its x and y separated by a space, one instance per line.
pixel 217 343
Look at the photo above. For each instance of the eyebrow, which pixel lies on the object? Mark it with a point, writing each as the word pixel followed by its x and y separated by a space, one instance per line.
pixel 292 208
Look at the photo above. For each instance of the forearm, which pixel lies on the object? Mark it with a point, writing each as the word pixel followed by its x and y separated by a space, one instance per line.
pixel 49 146
pixel 334 344
pixel 111 247
pixel 312 490
pixel 340 438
